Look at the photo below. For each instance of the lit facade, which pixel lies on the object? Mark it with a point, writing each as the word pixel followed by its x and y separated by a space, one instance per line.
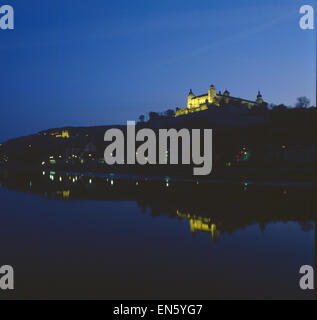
pixel 64 134
pixel 212 98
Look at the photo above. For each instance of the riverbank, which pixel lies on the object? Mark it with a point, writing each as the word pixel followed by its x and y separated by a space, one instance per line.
pixel 269 176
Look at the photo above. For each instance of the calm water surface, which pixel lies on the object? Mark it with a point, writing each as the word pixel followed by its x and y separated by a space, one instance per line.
pixel 72 236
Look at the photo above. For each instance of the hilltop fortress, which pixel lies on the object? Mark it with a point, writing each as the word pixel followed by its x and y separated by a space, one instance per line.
pixel 212 98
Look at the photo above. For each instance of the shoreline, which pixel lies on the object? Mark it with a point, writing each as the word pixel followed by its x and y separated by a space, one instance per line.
pixel 291 177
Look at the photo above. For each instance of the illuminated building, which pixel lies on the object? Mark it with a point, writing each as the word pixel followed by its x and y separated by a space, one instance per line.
pixel 64 134
pixel 212 98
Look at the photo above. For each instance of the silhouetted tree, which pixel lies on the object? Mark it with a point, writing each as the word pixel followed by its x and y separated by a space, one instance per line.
pixel 280 107
pixel 154 116
pixel 302 102
pixel 141 118
pixel 169 113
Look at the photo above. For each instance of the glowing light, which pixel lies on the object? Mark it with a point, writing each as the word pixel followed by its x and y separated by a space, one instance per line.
pixel 64 134
pixel 66 194
pixel 199 224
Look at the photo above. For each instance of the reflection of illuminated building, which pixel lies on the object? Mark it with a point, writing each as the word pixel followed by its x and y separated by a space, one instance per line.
pixel 200 224
pixel 65 194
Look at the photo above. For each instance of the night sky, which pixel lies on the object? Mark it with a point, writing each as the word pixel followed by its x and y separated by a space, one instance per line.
pixel 83 63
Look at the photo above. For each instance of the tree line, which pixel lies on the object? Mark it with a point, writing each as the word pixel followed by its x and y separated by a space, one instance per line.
pixel 301 103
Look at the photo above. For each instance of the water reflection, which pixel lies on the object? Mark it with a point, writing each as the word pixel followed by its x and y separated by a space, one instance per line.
pixel 209 208
pixel 200 224
pixel 142 237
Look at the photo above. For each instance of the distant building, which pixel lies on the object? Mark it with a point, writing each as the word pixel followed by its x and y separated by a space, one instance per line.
pixel 57 134
pixel 212 98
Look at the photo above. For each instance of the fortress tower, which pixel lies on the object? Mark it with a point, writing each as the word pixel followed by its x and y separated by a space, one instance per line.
pixel 259 99
pixel 189 99
pixel 211 93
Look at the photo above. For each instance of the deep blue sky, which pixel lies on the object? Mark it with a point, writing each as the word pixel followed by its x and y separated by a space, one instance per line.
pixel 73 62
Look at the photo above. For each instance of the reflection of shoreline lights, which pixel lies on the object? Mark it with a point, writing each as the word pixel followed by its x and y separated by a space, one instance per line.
pixel 52 174
pixel 199 224
pixel 112 182
pixel 64 193
pixel 90 181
